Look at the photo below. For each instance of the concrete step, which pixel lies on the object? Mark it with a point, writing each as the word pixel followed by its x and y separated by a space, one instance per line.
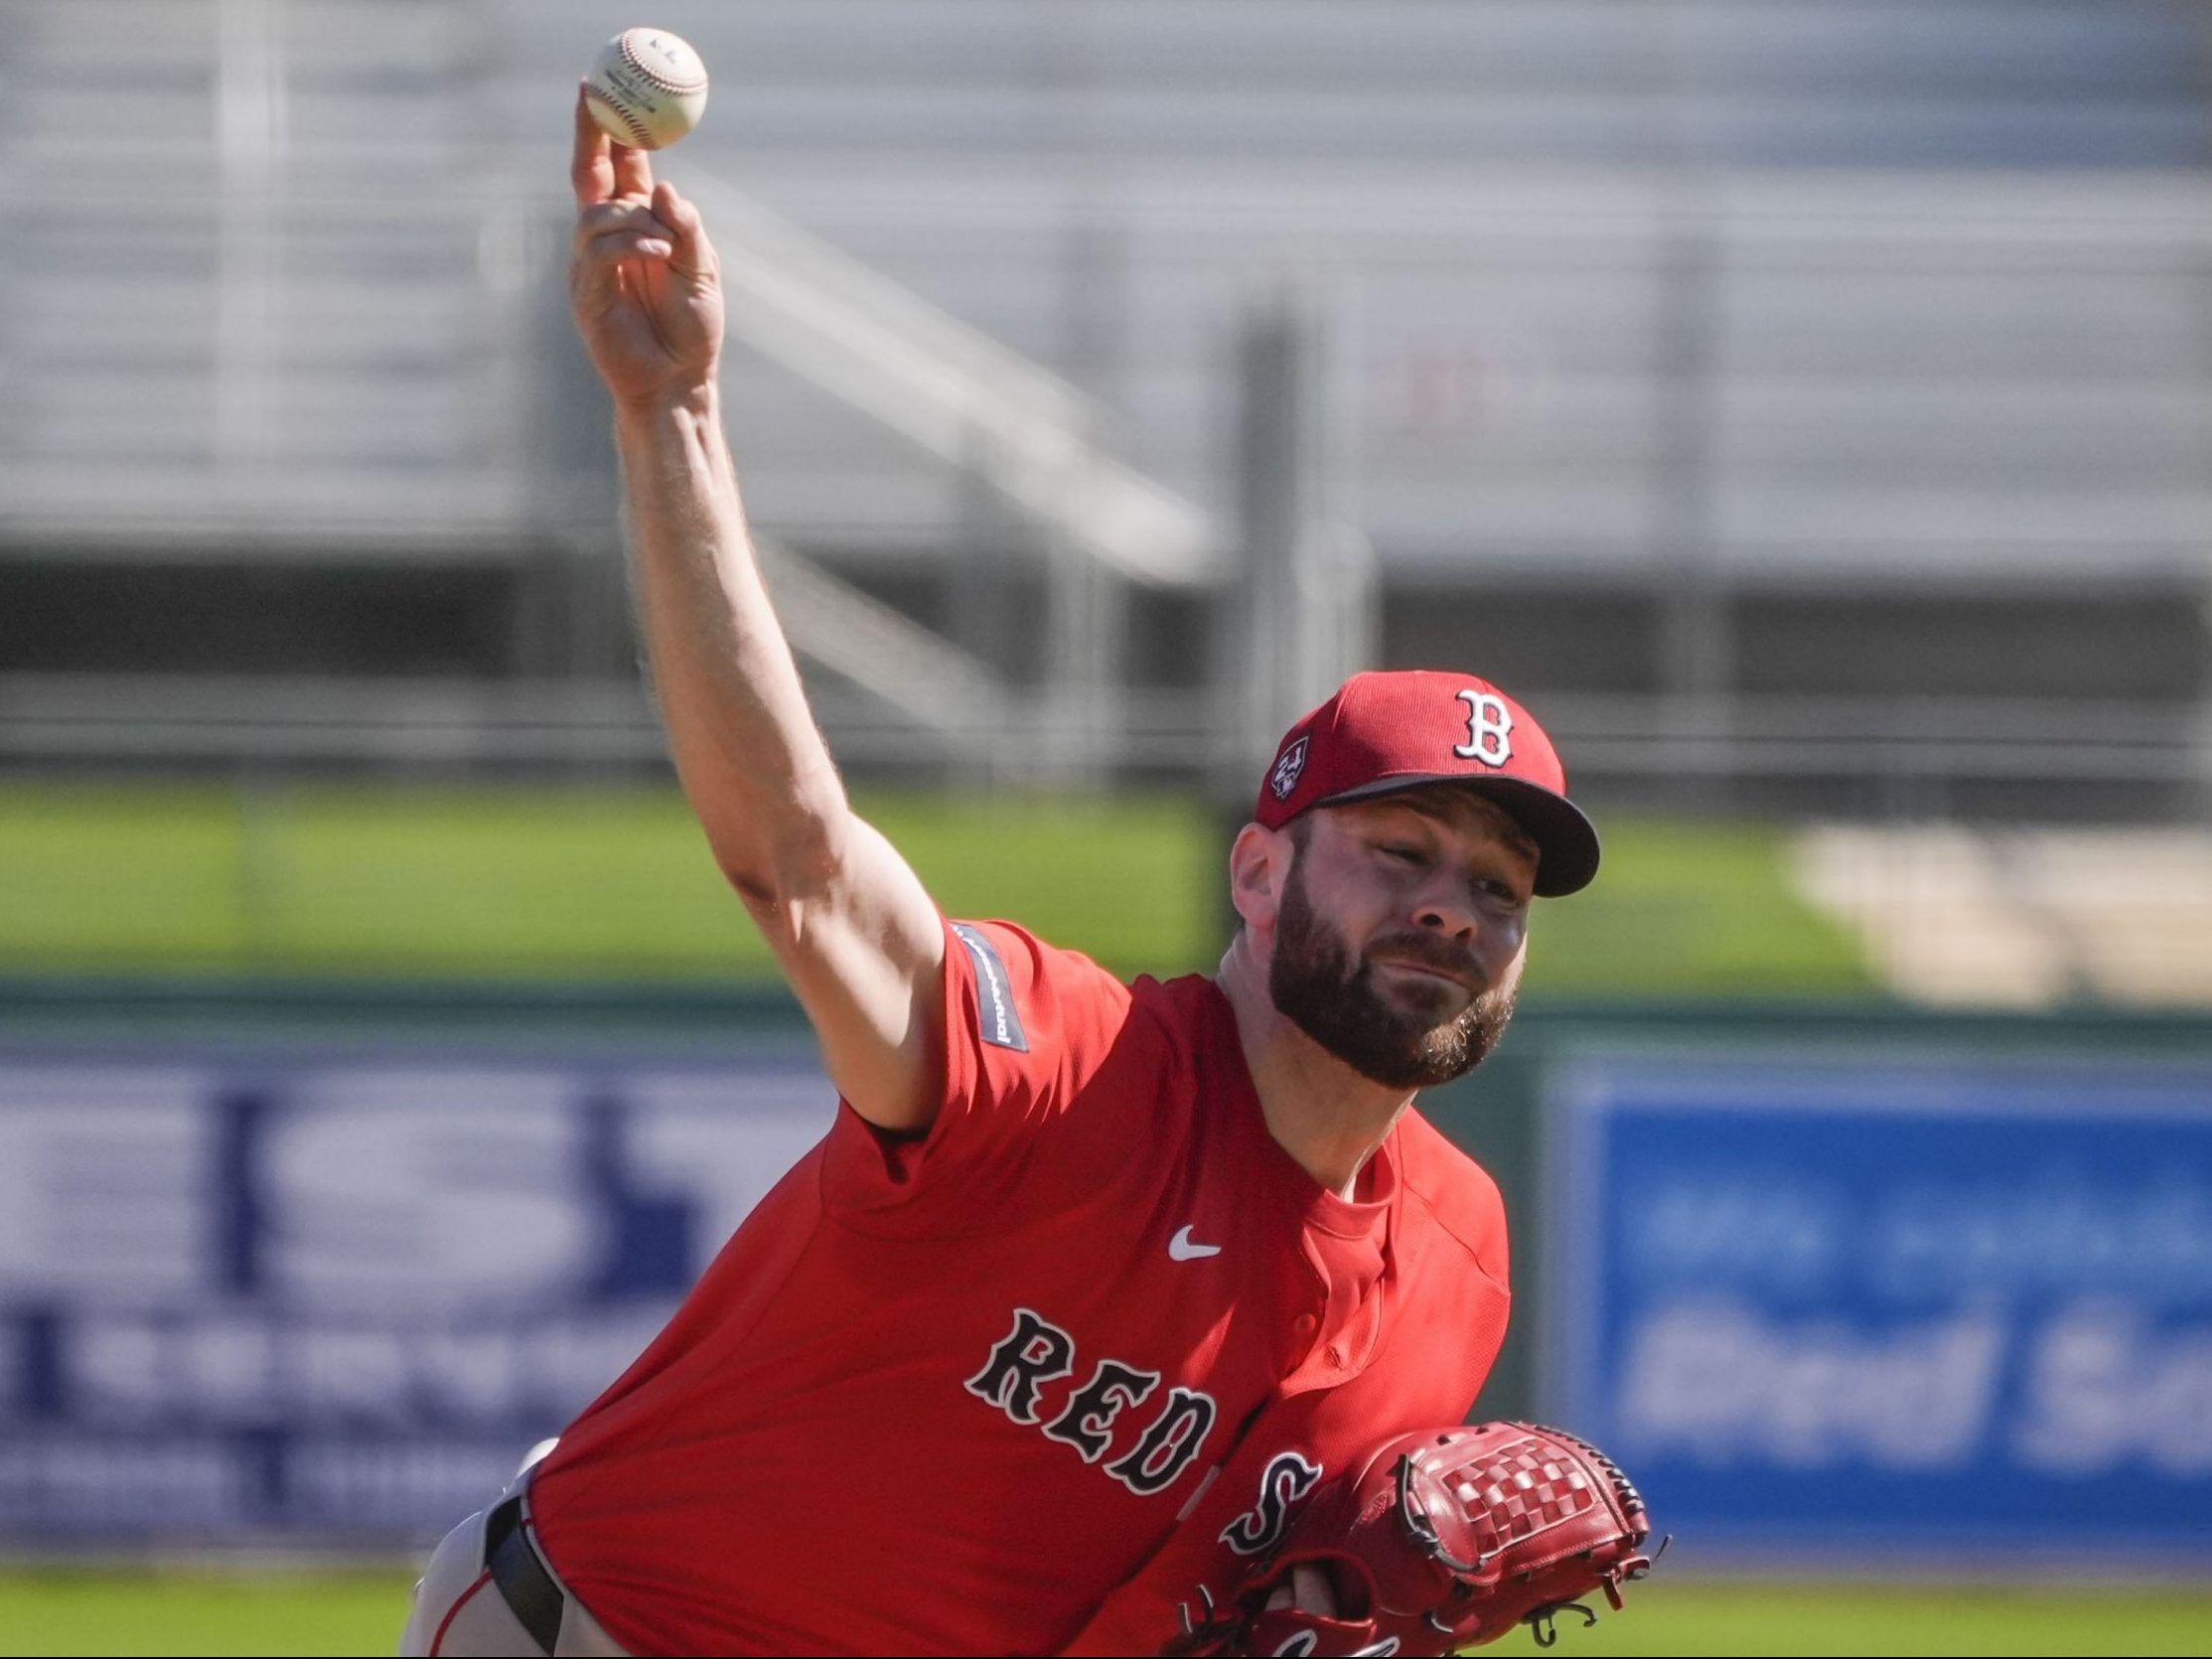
pixel 2028 916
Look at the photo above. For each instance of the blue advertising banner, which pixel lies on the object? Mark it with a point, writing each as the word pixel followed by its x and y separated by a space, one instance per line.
pixel 1944 1307
pixel 345 1297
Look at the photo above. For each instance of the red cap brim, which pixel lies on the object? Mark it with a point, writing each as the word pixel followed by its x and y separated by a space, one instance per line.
pixel 1567 842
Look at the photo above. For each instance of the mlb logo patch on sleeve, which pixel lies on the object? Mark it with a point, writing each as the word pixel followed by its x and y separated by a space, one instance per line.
pixel 997 1020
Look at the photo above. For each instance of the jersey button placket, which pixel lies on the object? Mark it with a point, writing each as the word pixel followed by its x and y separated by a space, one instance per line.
pixel 1306 1329
pixel 1303 1329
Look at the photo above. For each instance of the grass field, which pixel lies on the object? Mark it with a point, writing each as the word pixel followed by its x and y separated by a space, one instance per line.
pixel 69 1613
pixel 610 884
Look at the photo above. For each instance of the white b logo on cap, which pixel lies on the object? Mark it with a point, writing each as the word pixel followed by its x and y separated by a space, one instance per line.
pixel 1488 729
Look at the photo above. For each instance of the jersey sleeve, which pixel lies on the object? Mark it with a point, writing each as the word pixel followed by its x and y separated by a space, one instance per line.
pixel 1026 1029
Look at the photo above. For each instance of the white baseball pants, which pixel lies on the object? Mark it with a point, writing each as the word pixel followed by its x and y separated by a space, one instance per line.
pixel 460 1613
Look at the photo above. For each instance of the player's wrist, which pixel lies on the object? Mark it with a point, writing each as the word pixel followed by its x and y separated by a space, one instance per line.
pixel 676 401
pixel 684 405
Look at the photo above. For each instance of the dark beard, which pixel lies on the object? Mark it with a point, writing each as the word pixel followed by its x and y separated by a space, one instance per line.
pixel 1317 988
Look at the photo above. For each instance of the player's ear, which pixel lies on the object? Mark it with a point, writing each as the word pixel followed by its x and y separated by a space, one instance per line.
pixel 1258 865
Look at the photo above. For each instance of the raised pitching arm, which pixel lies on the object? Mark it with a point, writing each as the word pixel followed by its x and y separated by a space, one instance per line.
pixel 858 937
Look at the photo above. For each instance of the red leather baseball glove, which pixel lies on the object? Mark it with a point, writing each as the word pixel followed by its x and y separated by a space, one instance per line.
pixel 1439 1540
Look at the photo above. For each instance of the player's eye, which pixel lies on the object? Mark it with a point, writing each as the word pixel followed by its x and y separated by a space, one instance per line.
pixel 1404 855
pixel 1503 891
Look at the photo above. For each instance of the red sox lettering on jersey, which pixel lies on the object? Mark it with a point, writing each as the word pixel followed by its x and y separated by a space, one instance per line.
pixel 1288 1480
pixel 1036 1351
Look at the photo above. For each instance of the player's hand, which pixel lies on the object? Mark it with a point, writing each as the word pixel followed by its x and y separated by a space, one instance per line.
pixel 644 280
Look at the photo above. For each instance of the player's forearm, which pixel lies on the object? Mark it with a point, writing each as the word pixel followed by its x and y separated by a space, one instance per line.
pixel 746 746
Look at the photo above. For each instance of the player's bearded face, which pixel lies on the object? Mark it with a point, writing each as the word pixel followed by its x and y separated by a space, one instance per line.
pixel 1330 994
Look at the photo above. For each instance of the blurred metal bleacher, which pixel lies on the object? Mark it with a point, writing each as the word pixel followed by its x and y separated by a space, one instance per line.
pixel 1681 300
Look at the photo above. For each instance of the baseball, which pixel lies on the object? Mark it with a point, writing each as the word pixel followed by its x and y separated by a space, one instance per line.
pixel 646 88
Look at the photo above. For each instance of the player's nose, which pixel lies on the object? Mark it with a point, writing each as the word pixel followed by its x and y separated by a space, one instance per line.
pixel 1448 908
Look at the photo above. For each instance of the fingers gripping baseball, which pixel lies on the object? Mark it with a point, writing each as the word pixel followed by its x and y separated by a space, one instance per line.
pixel 615 231
pixel 693 252
pixel 644 280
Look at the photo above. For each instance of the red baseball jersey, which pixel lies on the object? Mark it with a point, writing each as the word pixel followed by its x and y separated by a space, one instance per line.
pixel 1028 1380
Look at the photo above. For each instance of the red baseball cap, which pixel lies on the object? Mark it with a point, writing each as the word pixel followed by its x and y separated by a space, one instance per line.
pixel 1385 732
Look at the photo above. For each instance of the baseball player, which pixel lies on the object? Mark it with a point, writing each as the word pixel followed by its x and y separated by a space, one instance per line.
pixel 1089 1284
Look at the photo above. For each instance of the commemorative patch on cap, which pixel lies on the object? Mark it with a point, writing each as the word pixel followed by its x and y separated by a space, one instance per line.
pixel 1382 733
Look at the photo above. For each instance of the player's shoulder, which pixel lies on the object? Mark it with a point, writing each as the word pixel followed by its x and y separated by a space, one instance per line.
pixel 1029 994
pixel 1009 960
pixel 1459 1197
pixel 1020 976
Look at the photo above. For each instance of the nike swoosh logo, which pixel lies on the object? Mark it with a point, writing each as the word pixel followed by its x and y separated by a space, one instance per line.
pixel 1180 1248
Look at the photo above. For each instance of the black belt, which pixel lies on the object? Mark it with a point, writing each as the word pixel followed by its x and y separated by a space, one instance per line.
pixel 524 1583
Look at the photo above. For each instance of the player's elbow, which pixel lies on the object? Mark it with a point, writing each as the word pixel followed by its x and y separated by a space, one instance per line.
pixel 778 876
